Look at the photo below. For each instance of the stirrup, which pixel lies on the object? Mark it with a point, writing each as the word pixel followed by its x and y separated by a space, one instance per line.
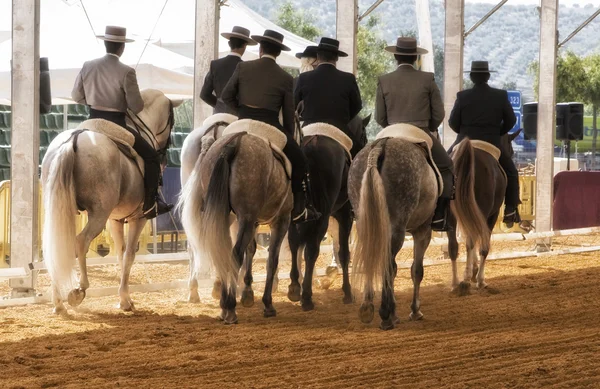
pixel 302 215
pixel 440 225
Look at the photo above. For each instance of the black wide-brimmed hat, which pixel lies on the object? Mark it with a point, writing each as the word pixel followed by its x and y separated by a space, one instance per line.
pixel 310 52
pixel 115 34
pixel 239 33
pixel 331 45
pixel 406 46
pixel 272 37
pixel 480 67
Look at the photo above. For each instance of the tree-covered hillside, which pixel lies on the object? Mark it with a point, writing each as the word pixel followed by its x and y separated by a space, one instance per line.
pixel 509 39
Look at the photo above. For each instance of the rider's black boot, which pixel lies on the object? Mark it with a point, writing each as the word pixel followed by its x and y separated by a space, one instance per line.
pixel 304 211
pixel 154 205
pixel 511 215
pixel 440 216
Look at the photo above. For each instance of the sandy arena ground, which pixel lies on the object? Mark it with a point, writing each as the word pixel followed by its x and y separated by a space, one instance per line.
pixel 537 327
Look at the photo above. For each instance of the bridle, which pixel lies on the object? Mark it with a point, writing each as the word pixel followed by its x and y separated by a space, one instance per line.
pixel 142 128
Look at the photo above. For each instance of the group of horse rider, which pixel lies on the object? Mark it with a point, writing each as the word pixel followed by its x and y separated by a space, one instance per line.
pixel 261 90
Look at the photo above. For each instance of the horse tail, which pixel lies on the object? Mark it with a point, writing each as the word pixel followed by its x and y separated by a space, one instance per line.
pixel 207 219
pixel 60 208
pixel 373 247
pixel 470 220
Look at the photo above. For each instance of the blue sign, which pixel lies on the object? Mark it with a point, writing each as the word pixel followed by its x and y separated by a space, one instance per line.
pixel 514 97
pixel 517 123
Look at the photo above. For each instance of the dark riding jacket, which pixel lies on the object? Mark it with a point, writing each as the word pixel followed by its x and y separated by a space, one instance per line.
pixel 217 77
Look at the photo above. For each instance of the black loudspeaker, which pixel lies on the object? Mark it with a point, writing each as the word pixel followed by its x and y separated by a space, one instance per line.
pixel 530 120
pixel 45 90
pixel 569 121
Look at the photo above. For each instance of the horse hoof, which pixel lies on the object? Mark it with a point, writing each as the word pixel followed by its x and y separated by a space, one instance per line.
pixel 194 298
pixel 294 293
pixel 270 312
pixel 307 305
pixel 126 306
pixel 230 318
pixel 59 310
pixel 366 312
pixel 415 316
pixel 76 297
pixel 464 289
pixel 387 325
pixel 348 299
pixel 216 291
pixel 247 298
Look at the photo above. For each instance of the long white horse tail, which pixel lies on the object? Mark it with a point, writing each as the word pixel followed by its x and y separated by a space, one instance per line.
pixel 60 208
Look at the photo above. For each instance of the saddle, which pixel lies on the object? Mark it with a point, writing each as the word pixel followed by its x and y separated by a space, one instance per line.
pixel 324 129
pixel 212 123
pixel 120 136
pixel 420 138
pixel 490 149
pixel 269 134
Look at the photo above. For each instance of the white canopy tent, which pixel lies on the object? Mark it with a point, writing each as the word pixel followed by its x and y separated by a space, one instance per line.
pixel 67 40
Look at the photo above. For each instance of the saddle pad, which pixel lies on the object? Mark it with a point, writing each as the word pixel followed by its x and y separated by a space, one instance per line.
pixel 417 136
pixel 487 147
pixel 216 118
pixel 271 135
pixel 332 132
pixel 123 138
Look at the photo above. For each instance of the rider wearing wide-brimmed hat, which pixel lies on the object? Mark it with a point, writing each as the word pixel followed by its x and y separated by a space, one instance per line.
pixel 484 113
pixel 110 87
pixel 411 96
pixel 259 90
pixel 221 69
pixel 328 94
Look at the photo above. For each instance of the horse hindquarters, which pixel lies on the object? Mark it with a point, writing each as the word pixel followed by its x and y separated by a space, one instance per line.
pixel 59 236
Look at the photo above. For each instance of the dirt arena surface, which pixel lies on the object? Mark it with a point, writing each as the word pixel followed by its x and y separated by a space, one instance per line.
pixel 537 327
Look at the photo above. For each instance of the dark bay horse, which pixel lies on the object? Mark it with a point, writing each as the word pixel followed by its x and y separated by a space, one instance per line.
pixel 478 176
pixel 328 167
pixel 239 175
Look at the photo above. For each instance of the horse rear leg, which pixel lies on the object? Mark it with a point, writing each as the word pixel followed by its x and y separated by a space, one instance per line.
pixel 344 223
pixel 95 225
pixel 135 230
pixel 245 235
pixel 296 249
pixel 278 231
pixel 453 249
pixel 480 278
pixel 422 239
pixel 311 253
pixel 387 311
pixel 248 293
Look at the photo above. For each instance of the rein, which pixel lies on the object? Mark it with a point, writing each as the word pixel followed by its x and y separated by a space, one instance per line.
pixel 142 128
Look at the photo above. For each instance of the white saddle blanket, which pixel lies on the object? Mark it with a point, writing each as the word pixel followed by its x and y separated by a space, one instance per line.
pixel 332 132
pixel 415 135
pixel 214 119
pixel 117 134
pixel 271 135
pixel 487 147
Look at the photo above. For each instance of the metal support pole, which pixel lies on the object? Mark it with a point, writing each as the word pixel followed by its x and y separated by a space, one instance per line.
pixel 206 49
pixel 453 62
pixel 581 26
pixel 425 39
pixel 346 29
pixel 546 124
pixel 486 17
pixel 24 221
pixel 65 117
pixel 371 9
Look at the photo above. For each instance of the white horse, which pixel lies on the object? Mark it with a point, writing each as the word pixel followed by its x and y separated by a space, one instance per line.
pixel 86 171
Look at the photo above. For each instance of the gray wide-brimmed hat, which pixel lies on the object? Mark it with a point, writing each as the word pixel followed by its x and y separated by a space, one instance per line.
pixel 480 67
pixel 331 45
pixel 310 52
pixel 115 34
pixel 239 33
pixel 272 37
pixel 406 46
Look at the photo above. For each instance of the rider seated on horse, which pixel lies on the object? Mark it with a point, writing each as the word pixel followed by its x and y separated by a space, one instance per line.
pixel 110 87
pixel 411 96
pixel 258 90
pixel 484 113
pixel 329 95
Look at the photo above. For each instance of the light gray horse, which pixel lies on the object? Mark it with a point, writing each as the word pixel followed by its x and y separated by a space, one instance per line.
pixel 238 174
pixel 87 171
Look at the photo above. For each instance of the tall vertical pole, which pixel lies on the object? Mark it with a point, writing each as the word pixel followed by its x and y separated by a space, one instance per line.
pixel 24 223
pixel 206 49
pixel 346 29
pixel 546 124
pixel 453 61
pixel 425 39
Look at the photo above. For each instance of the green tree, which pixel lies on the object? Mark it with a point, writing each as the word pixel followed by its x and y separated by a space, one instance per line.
pixel 571 78
pixel 509 85
pixel 591 65
pixel 297 21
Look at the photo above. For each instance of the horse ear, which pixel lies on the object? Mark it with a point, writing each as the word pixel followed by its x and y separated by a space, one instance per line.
pixel 176 102
pixel 366 121
pixel 514 135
